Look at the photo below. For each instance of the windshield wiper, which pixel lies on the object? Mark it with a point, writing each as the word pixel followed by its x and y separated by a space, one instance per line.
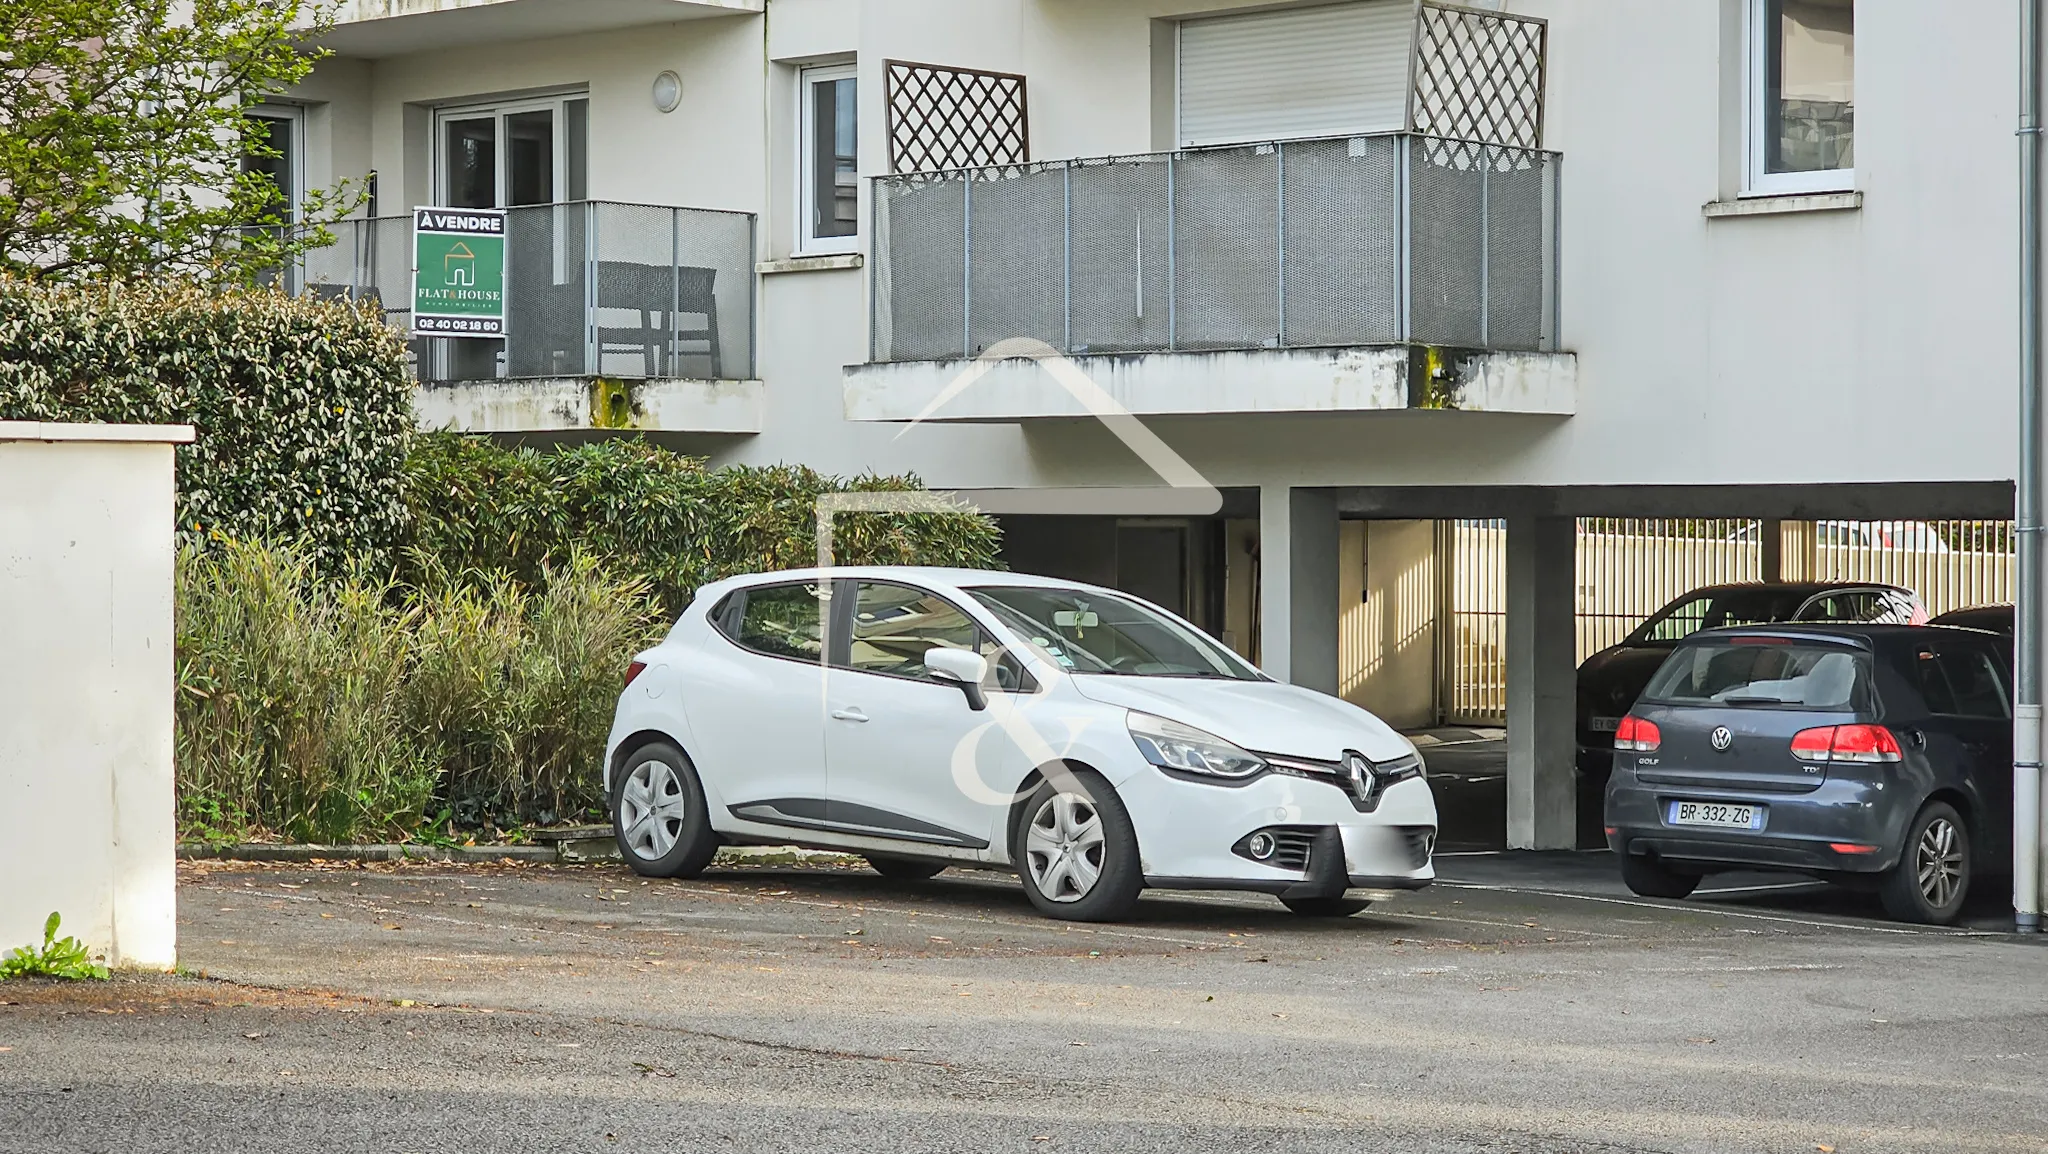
pixel 1754 701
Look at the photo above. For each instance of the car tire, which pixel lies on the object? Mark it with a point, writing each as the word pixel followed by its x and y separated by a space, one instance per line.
pixel 659 819
pixel 1076 850
pixel 1649 878
pixel 905 869
pixel 1932 878
pixel 1324 907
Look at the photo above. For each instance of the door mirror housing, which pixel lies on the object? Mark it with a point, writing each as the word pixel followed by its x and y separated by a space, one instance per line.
pixel 961 667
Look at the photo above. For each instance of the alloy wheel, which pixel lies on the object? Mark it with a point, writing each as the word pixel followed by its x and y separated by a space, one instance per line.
pixel 1938 862
pixel 651 809
pixel 1064 847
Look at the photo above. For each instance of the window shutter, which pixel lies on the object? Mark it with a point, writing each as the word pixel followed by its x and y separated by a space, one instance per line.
pixel 1324 71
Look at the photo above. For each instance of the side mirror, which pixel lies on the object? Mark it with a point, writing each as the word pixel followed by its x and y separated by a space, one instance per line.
pixel 963 668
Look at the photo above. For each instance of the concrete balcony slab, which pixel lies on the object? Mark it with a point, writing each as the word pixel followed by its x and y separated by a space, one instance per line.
pixel 556 404
pixel 371 29
pixel 1242 382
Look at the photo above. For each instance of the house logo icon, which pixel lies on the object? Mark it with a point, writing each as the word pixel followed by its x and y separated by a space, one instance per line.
pixel 459 266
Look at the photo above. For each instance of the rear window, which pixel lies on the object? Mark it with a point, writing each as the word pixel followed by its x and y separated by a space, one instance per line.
pixel 1748 672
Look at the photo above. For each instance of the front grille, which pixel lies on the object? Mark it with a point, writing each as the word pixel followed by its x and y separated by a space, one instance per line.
pixel 1420 841
pixel 1293 846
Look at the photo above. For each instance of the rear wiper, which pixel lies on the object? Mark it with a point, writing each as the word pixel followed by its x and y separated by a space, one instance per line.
pixel 1753 701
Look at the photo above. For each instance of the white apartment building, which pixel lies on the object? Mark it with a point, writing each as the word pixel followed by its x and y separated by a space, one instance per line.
pixel 1361 266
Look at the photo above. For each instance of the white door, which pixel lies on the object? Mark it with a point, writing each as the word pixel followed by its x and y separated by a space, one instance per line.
pixel 756 704
pixel 1331 70
pixel 905 755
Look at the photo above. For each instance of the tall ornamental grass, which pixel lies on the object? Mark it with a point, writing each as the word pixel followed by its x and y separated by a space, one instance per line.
pixel 352 708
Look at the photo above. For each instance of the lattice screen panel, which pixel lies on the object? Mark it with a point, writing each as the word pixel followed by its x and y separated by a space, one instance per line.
pixel 1478 76
pixel 942 118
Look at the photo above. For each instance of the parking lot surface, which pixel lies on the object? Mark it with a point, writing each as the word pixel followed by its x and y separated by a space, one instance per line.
pixel 1517 1006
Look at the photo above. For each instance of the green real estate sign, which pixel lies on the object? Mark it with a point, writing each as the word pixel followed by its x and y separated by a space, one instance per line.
pixel 458 271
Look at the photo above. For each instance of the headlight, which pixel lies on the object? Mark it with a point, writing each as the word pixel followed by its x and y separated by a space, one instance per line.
pixel 1171 745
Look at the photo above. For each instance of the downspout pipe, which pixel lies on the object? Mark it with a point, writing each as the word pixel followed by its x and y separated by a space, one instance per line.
pixel 2027 634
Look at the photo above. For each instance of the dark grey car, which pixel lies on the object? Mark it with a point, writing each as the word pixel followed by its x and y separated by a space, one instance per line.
pixel 1876 756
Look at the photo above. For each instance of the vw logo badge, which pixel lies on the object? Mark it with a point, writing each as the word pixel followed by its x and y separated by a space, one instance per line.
pixel 1721 738
pixel 1360 770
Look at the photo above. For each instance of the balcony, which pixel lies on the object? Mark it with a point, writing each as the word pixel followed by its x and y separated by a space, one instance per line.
pixel 1357 273
pixel 372 29
pixel 617 316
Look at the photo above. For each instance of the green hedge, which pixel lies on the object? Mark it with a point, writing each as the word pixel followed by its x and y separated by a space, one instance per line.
pixel 303 407
pixel 658 514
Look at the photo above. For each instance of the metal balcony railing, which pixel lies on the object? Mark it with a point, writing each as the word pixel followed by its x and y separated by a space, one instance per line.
pixel 592 288
pixel 1345 241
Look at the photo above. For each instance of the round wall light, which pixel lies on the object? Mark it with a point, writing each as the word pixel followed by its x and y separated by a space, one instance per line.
pixel 668 91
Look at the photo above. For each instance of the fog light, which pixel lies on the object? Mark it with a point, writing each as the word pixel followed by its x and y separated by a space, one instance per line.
pixel 1260 846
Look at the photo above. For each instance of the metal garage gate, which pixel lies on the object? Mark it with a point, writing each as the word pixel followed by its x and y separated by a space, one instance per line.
pixel 1629 568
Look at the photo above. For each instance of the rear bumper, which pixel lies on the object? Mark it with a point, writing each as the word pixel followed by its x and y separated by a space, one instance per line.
pixel 1799 833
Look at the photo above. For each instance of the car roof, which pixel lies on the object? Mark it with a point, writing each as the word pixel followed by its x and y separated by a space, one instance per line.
pixel 1870 633
pixel 1807 587
pixel 938 577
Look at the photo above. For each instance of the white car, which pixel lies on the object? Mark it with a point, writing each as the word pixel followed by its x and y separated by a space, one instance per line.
pixel 1095 743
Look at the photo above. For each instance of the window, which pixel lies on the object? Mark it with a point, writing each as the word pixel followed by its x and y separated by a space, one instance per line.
pixel 893 626
pixel 1960 682
pixel 1731 607
pixel 528 152
pixel 829 169
pixel 279 130
pixel 784 621
pixel 1083 631
pixel 1802 96
pixel 1742 672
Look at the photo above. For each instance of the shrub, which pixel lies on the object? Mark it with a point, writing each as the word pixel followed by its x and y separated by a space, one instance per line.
pixel 649 511
pixel 303 407
pixel 353 708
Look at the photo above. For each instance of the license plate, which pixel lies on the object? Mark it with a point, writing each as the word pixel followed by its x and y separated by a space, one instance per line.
pixel 1721 814
pixel 1606 724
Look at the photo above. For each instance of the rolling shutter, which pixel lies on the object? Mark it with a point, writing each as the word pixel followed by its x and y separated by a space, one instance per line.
pixel 1324 71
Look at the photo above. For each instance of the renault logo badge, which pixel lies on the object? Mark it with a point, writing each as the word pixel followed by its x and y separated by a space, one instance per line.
pixel 1721 738
pixel 1360 770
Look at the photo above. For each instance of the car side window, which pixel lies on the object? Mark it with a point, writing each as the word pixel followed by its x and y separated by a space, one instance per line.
pixel 784 621
pixel 893 626
pixel 1681 622
pixel 1975 687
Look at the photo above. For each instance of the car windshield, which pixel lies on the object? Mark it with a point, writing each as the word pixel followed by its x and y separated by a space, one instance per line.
pixel 1743 671
pixel 1756 606
pixel 1085 631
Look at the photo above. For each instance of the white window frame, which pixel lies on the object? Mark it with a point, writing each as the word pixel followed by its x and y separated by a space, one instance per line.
pixel 295 156
pixel 806 184
pixel 1757 182
pixel 498 111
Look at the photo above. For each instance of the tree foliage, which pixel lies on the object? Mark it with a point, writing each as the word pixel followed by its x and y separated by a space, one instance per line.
pixel 123 129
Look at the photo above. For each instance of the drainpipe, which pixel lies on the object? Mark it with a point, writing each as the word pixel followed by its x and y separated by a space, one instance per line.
pixel 2027 636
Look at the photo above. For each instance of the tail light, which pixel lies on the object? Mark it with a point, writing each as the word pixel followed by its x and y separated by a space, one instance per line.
pixel 1852 743
pixel 634 670
pixel 1636 734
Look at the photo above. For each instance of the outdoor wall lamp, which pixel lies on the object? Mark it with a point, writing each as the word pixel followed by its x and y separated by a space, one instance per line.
pixel 668 91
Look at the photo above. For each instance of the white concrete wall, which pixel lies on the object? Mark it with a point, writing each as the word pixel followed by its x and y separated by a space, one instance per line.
pixel 1868 345
pixel 87 827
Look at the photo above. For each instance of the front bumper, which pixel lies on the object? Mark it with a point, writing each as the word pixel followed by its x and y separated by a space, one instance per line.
pixel 1799 830
pixel 1190 834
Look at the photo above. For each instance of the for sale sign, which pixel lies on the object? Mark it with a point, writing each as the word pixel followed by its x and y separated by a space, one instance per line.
pixel 458 272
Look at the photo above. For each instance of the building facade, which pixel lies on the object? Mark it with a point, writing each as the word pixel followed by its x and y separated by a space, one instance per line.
pixel 1354 267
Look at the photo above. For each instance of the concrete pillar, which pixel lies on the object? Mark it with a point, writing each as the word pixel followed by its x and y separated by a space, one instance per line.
pixel 1542 679
pixel 1298 586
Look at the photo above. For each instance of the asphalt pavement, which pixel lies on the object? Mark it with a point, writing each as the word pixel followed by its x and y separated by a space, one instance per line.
pixel 1525 1003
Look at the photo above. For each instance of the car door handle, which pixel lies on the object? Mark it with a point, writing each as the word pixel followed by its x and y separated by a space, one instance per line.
pixel 850 713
